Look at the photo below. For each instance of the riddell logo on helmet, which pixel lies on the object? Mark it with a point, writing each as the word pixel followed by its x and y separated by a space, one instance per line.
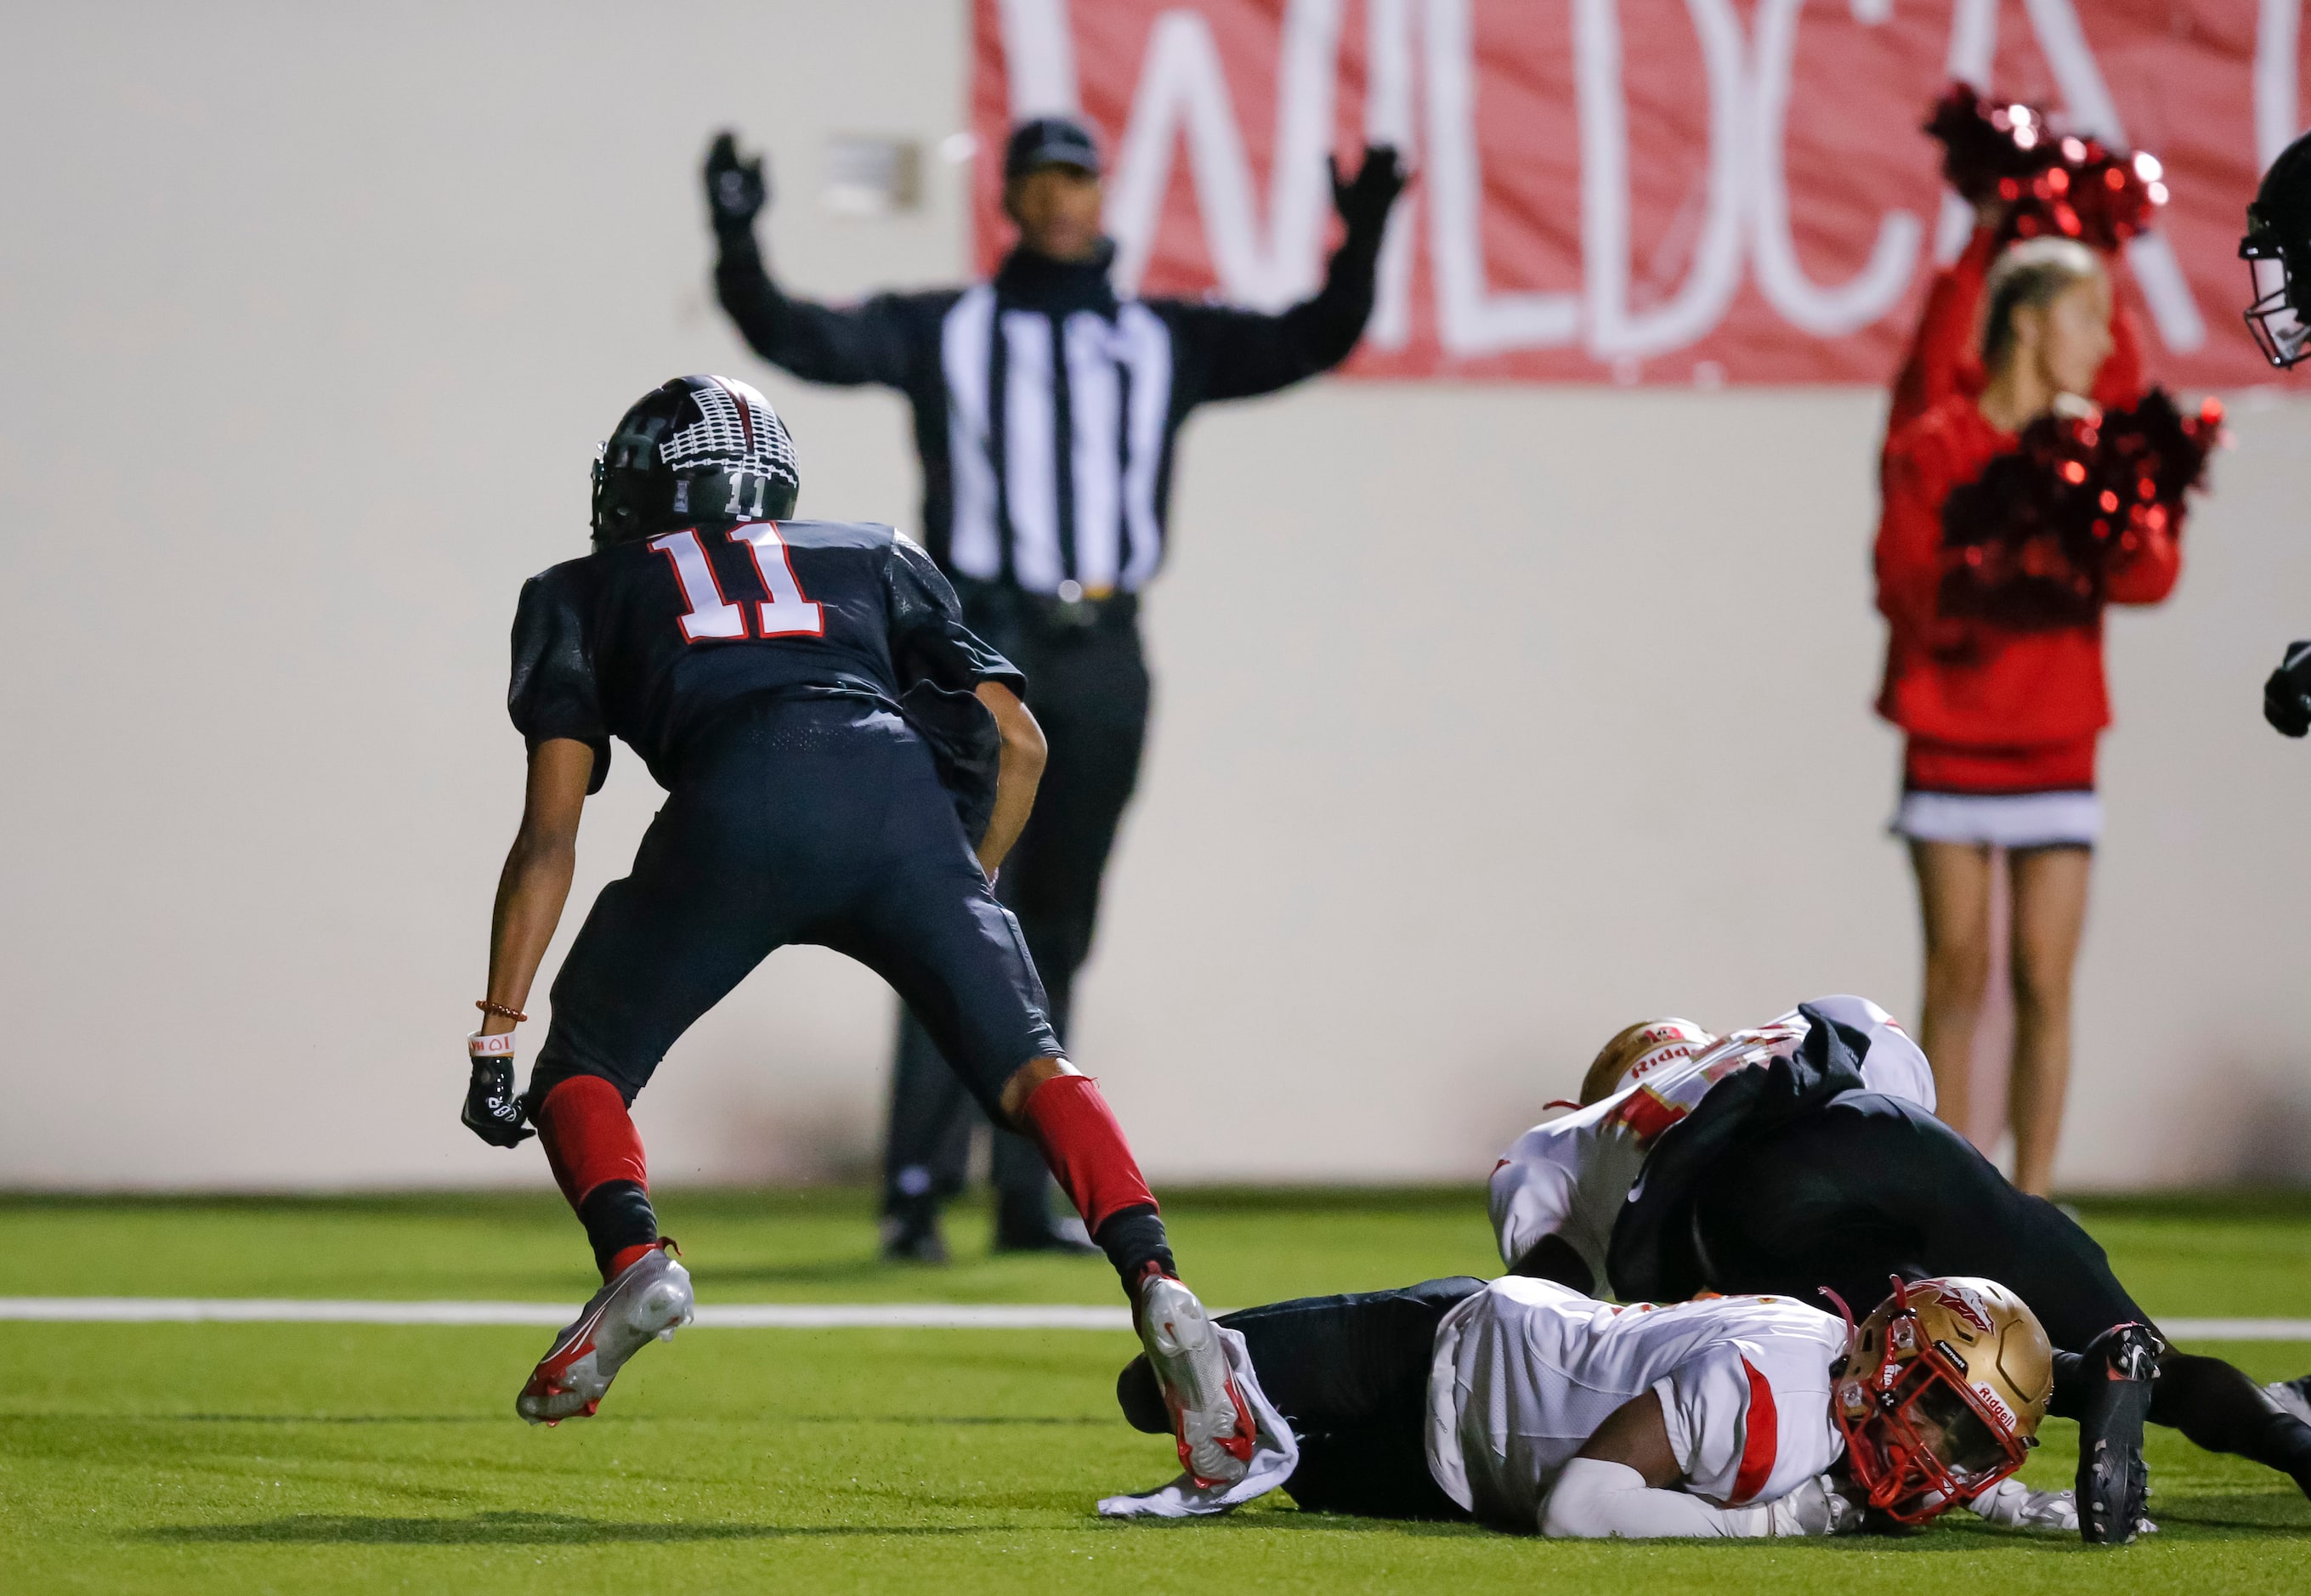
pixel 1991 1401
pixel 1652 1062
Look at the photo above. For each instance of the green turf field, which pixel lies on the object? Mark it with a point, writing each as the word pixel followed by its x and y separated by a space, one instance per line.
pixel 249 1458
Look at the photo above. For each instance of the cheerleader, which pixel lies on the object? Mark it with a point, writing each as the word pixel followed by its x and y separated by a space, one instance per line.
pixel 2003 699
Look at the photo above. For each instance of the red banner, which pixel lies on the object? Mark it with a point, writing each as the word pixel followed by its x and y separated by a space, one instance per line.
pixel 1671 191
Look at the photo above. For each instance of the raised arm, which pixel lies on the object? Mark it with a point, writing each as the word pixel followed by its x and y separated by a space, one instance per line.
pixel 867 342
pixel 1237 353
pixel 1942 355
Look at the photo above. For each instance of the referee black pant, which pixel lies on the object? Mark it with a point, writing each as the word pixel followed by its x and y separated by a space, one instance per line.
pixel 1087 685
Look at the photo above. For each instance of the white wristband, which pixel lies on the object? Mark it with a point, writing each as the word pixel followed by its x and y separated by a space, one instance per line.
pixel 478 1046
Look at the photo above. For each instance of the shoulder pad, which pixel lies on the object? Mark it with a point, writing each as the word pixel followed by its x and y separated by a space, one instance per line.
pixel 835 534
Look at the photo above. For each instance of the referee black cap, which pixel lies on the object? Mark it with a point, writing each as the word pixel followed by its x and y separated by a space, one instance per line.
pixel 1050 141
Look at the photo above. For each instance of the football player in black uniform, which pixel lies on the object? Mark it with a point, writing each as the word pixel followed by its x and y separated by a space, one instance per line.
pixel 846 765
pixel 2276 249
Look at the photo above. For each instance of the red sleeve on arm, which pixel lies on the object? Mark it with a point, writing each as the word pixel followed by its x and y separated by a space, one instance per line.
pixel 2147 575
pixel 1942 348
pixel 1909 540
pixel 2120 383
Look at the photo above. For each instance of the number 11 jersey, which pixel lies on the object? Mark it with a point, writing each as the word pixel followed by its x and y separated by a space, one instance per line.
pixel 651 641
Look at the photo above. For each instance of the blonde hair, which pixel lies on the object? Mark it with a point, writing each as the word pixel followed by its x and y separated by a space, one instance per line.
pixel 2032 273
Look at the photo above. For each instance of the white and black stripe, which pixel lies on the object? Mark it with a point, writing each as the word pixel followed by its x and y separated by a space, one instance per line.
pixel 1057 425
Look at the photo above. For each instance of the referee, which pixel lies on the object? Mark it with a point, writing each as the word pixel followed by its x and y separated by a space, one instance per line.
pixel 1046 411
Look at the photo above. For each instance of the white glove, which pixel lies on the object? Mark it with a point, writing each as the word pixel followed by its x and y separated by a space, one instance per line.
pixel 2013 1506
pixel 1816 1507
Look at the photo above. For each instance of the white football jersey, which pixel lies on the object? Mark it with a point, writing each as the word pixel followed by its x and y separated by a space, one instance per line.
pixel 1526 1371
pixel 1571 1175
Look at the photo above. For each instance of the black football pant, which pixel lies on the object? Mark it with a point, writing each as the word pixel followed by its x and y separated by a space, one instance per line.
pixel 819 821
pixel 1870 1186
pixel 1088 688
pixel 1350 1373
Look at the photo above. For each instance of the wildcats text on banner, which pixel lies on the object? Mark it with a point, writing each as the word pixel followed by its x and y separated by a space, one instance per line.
pixel 1678 191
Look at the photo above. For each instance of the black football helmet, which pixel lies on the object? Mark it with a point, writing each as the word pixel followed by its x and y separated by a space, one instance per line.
pixel 2276 249
pixel 695 450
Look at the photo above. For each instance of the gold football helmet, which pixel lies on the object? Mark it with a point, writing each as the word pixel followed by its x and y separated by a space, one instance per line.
pixel 1637 1052
pixel 1941 1393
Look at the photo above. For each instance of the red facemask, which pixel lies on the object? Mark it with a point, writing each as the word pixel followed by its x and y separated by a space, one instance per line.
pixel 1917 1438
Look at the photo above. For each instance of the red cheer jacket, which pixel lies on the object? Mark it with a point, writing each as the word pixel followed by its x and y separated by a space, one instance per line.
pixel 1971 682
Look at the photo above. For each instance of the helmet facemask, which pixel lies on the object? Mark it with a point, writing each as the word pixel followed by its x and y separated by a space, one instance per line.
pixel 2276 250
pixel 2275 317
pixel 1924 1430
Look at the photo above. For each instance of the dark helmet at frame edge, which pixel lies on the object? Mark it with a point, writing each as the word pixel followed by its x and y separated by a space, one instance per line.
pixel 2276 249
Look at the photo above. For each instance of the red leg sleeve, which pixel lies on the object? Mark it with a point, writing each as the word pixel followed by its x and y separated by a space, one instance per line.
pixel 1070 1121
pixel 588 1137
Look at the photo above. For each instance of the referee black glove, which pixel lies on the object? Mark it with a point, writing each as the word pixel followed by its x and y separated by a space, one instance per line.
pixel 2287 696
pixel 1363 201
pixel 736 189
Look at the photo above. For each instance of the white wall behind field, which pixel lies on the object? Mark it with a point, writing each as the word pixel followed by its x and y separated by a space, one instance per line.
pixel 1488 718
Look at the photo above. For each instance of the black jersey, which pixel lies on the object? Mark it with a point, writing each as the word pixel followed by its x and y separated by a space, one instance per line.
pixel 653 641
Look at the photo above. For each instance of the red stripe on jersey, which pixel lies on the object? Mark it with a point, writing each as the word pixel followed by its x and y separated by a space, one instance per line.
pixel 1761 1442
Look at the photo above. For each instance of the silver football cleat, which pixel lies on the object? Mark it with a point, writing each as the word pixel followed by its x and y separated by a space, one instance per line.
pixel 1210 1421
pixel 648 1301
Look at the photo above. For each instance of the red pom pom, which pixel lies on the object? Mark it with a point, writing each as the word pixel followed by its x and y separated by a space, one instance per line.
pixel 1989 152
pixel 2059 185
pixel 2028 544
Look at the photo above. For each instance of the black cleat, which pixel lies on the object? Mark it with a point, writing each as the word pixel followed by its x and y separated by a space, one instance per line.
pixel 2114 1483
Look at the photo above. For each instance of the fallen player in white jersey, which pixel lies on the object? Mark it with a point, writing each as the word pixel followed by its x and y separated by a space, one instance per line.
pixel 1526 1406
pixel 1804 1155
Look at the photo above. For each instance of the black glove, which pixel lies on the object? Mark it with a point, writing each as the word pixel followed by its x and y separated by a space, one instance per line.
pixel 736 189
pixel 2287 696
pixel 493 1111
pixel 2114 1483
pixel 1363 201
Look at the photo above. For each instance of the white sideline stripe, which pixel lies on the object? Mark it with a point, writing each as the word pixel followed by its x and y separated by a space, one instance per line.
pixel 168 1310
pixel 2237 1330
pixel 187 1309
